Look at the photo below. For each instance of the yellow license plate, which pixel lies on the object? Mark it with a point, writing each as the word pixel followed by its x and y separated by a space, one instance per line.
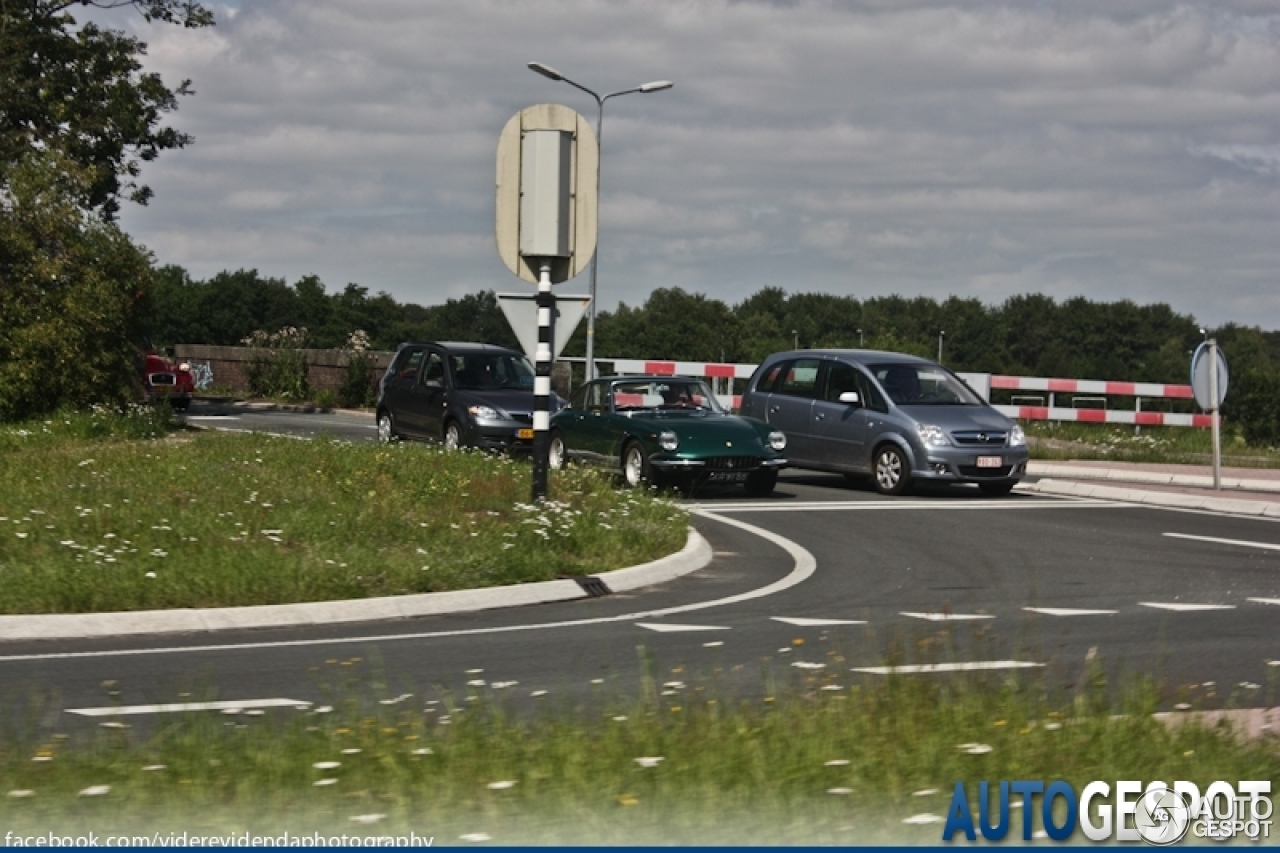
pixel 524 433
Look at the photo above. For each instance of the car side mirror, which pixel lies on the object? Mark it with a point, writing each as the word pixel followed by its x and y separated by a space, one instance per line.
pixel 433 383
pixel 850 397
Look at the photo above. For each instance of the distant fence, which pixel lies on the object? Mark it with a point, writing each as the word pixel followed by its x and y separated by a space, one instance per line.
pixel 326 368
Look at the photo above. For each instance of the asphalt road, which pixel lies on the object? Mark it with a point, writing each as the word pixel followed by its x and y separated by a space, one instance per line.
pixel 820 585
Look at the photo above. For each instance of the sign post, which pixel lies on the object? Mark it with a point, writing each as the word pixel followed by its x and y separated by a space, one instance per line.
pixel 545 227
pixel 1209 379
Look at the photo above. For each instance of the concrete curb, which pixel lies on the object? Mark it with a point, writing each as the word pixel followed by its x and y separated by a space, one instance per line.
pixel 1154 478
pixel 1264 509
pixel 695 555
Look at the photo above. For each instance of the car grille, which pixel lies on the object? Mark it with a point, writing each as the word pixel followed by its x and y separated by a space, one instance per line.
pixel 521 418
pixel 733 463
pixel 994 473
pixel 162 379
pixel 981 437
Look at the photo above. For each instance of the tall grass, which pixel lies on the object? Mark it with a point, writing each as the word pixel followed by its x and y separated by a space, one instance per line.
pixel 1184 445
pixel 93 519
pixel 817 763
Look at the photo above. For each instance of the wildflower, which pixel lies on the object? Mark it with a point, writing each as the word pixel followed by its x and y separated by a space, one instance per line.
pixel 324 783
pixel 501 786
pixel 354 750
pixel 476 682
pixel 713 644
pixel 627 800
pixel 1053 727
pixel 840 791
pixel 113 724
pixel 800 664
pixel 151 768
pixel 538 693
pixel 424 750
pixel 327 765
pixel 621 718
pixel 924 792
pixel 475 837
pixel 95 791
pixel 649 761
pixel 974 748
pixel 367 818
pixel 837 762
pixel 22 793
pixel 1182 706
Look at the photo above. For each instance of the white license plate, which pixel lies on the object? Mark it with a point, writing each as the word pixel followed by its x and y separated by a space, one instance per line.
pixel 728 476
pixel 990 462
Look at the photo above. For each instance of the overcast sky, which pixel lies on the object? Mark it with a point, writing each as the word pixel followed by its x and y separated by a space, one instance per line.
pixel 1111 149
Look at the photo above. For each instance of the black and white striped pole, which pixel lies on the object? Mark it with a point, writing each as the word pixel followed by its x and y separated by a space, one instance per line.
pixel 548 167
pixel 542 384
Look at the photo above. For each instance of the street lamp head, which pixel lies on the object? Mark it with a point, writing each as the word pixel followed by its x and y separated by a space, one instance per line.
pixel 546 70
pixel 656 86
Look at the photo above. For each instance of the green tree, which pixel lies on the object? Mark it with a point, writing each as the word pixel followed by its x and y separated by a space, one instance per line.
pixel 80 90
pixel 74 289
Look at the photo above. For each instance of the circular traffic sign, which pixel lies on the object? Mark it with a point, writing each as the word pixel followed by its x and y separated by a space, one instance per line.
pixel 1200 376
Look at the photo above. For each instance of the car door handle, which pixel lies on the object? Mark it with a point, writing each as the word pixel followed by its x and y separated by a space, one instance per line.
pixel 819 416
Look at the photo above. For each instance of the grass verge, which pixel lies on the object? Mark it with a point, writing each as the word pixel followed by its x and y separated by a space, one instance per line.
pixel 817 763
pixel 106 511
pixel 1175 445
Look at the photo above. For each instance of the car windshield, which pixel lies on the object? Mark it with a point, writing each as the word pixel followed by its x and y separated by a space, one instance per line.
pixel 490 371
pixel 923 385
pixel 673 395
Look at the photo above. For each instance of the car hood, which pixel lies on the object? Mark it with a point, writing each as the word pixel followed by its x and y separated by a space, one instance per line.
pixel 513 401
pixel 706 432
pixel 958 417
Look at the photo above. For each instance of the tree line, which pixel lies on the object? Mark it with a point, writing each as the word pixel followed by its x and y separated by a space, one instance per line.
pixel 1029 335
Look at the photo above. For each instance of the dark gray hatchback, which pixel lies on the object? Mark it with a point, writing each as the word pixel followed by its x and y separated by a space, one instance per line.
pixel 462 394
pixel 895 417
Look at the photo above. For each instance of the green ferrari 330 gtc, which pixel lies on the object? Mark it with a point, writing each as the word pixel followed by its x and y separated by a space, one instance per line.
pixel 665 430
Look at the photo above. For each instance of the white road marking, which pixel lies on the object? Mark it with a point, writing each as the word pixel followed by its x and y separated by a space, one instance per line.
pixel 1186 607
pixel 1266 600
pixel 213 417
pixel 1069 611
pixel 667 628
pixel 868 506
pixel 947 617
pixel 803 567
pixel 178 707
pixel 1242 542
pixel 925 668
pixel 802 622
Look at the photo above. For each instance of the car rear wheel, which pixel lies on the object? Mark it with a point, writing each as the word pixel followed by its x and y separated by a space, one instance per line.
pixel 636 471
pixel 997 490
pixel 760 484
pixel 452 436
pixel 891 472
pixel 557 453
pixel 386 428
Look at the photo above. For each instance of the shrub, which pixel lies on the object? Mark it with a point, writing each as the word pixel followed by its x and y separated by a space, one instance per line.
pixel 278 367
pixel 1253 401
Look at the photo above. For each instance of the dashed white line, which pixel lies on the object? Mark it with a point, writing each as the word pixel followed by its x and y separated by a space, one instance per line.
pixel 948 617
pixel 1069 611
pixel 1186 608
pixel 179 707
pixel 965 666
pixel 801 622
pixel 665 628
pixel 1266 600
pixel 869 506
pixel 1244 543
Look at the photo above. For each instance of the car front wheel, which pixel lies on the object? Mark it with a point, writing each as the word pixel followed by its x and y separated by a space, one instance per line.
pixel 892 474
pixel 452 436
pixel 557 454
pixel 386 427
pixel 636 471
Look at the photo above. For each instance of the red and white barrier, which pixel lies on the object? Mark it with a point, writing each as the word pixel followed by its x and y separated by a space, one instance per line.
pixel 1091 386
pixel 978 381
pixel 1104 416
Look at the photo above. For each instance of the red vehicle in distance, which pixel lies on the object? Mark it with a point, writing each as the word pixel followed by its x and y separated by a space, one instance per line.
pixel 163 379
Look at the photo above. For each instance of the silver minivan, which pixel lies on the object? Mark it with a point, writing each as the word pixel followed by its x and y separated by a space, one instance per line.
pixel 896 418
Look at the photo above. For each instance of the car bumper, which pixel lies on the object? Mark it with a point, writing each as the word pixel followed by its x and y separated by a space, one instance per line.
pixel 506 436
pixel 725 463
pixel 968 465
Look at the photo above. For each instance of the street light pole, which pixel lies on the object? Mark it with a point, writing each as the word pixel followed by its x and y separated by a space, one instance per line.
pixel 859 339
pixel 941 335
pixel 655 86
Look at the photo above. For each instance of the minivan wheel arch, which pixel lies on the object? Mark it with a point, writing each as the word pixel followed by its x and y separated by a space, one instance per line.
pixel 891 467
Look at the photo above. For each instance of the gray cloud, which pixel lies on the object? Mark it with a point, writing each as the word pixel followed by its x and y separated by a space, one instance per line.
pixel 1106 149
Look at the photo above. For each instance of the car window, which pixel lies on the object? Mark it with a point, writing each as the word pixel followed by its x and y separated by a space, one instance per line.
pixel 578 399
pixel 841 377
pixel 770 378
pixel 434 371
pixel 596 400
pixel 923 385
pixel 491 371
pixel 408 363
pixel 800 378
pixel 871 396
pixel 664 395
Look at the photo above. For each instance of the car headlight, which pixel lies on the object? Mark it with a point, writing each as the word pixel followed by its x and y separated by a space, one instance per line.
pixel 932 436
pixel 777 441
pixel 184 367
pixel 668 440
pixel 487 413
pixel 1017 438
